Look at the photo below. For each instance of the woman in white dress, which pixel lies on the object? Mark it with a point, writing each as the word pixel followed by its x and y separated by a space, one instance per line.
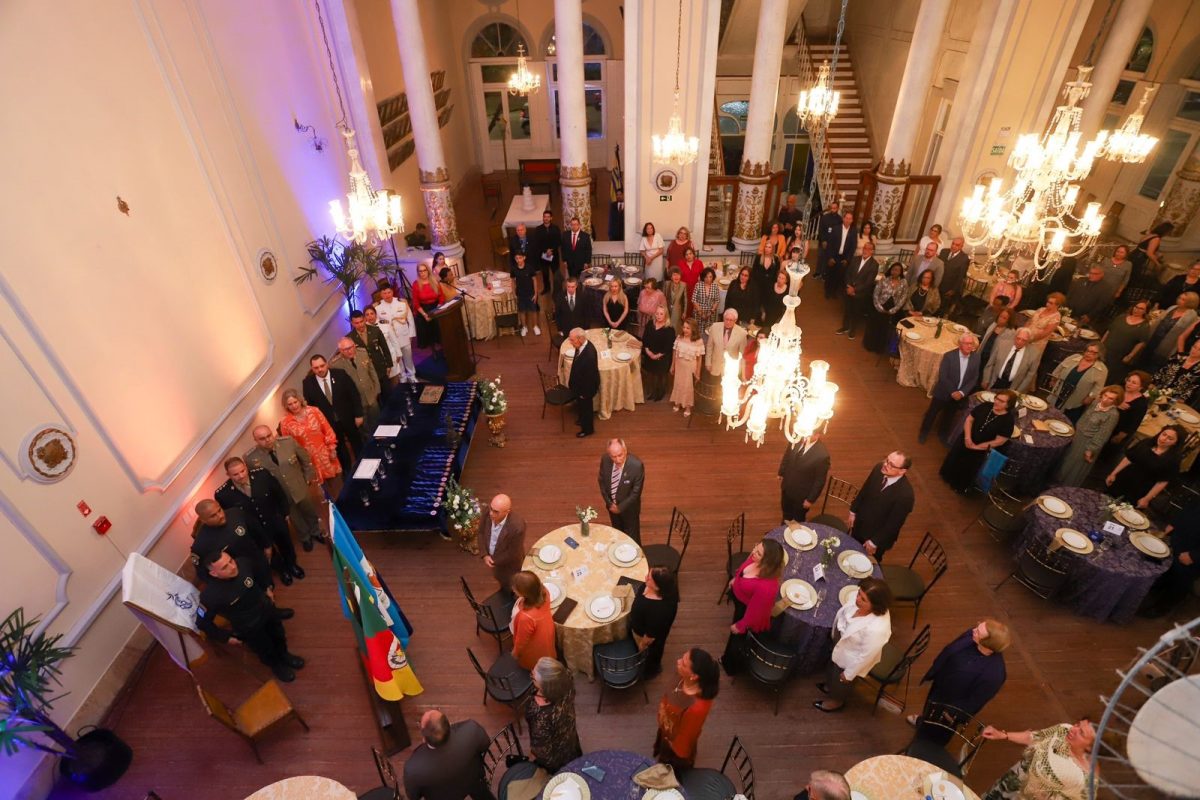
pixel 396 323
pixel 652 252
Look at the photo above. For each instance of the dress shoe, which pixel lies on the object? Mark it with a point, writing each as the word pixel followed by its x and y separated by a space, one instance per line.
pixel 285 578
pixel 840 332
pixel 284 613
pixel 293 661
pixel 537 331
pixel 921 437
pixel 283 673
pixel 850 337
pixel 819 705
pixel 582 435
pixel 298 572
pixel 822 688
pixel 307 544
pixel 911 719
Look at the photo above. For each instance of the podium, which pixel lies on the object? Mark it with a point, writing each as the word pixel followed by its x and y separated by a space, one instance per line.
pixel 453 332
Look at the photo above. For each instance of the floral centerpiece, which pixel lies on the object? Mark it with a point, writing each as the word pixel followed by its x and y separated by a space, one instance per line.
pixel 585 516
pixel 608 336
pixel 830 544
pixel 495 405
pixel 462 511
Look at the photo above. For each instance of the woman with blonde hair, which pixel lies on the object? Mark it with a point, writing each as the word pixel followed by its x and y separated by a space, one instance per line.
pixel 532 623
pixel 308 426
pixel 1091 433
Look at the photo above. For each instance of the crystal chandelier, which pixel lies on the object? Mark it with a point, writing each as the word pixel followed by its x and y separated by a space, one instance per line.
pixel 818 105
pixel 523 82
pixel 369 212
pixel 1128 144
pixel 779 389
pixel 675 147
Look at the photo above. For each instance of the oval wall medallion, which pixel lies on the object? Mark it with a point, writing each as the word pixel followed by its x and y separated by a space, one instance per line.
pixel 268 267
pixel 666 181
pixel 50 455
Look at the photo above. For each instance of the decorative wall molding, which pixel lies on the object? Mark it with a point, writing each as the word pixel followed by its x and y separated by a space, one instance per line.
pixel 14 460
pixel 47 552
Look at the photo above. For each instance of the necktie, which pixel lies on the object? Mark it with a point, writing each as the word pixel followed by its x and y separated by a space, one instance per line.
pixel 881 488
pixel 574 240
pixel 1006 372
pixel 325 386
pixel 616 481
pixel 275 457
pixel 571 301
pixel 727 332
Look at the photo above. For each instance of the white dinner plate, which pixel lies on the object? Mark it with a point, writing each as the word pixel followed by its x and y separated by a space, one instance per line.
pixel 943 789
pixel 1132 518
pixel 1084 333
pixel 602 607
pixel 1059 427
pixel 1035 403
pixel 550 554
pixel 1188 417
pixel 623 356
pixel 1053 505
pixel 913 336
pixel 555 590
pixel 592 282
pixel 847 593
pixel 567 786
pixel 662 794
pixel 1073 538
pixel 1149 544
pixel 800 537
pixel 800 594
pixel 633 281
pixel 987 397
pixel 626 553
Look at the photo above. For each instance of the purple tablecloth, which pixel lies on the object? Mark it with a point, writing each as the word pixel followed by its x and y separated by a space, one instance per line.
pixel 1056 351
pixel 809 631
pixel 1107 586
pixel 619 768
pixel 1035 462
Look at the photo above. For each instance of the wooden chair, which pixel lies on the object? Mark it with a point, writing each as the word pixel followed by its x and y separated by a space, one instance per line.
pixel 389 788
pixel 842 491
pixel 1039 570
pixel 492 615
pixel 261 712
pixel 896 665
pixel 491 187
pixel 709 784
pixel 909 585
pixel 507 316
pixel 664 555
pixel 770 666
pixel 619 665
pixel 499 247
pixel 734 559
pixel 555 394
pixel 941 724
pixel 505 680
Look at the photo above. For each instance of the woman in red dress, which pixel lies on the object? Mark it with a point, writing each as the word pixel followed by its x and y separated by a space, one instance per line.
pixel 690 268
pixel 426 296
pixel 308 426
pixel 677 247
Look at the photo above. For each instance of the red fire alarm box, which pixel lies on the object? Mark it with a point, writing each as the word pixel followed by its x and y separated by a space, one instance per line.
pixel 101 525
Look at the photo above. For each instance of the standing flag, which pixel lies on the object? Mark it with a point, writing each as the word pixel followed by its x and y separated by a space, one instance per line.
pixel 380 627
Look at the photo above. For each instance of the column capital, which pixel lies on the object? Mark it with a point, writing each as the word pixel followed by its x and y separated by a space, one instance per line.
pixel 755 172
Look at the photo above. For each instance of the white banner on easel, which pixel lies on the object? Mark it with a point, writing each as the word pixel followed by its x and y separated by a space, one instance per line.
pixel 166 604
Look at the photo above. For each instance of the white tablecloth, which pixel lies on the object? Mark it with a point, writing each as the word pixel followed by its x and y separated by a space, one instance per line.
pixel 517 213
pixel 304 787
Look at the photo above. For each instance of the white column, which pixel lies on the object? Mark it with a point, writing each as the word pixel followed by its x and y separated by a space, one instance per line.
pixel 574 175
pixel 760 123
pixel 897 158
pixel 431 160
pixel 1183 201
pixel 1122 37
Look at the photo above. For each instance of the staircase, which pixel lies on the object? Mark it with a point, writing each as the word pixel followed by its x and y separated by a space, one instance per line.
pixel 846 142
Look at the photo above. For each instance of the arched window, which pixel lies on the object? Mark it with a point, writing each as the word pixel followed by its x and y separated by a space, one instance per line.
pixel 498 40
pixel 1139 59
pixel 593 42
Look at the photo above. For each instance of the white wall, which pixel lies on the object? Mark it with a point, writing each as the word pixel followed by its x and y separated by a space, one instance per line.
pixel 151 337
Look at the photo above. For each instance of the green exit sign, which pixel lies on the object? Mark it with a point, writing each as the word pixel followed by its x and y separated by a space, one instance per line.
pixel 997 149
pixel 664 198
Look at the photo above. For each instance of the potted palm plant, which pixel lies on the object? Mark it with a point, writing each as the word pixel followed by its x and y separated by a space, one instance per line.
pixel 344 264
pixel 30 671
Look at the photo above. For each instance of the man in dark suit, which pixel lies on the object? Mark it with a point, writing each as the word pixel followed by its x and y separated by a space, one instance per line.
pixel 334 393
pixel 967 673
pixel 449 765
pixel 576 249
pixel 548 240
pixel 584 381
pixel 842 244
pixel 860 289
pixel 256 492
pixel 802 474
pixel 621 479
pixel 371 340
pixel 520 242
pixel 958 373
pixel 883 503
pixel 568 307
pixel 501 537
pixel 955 263
pixel 616 218
pixel 828 237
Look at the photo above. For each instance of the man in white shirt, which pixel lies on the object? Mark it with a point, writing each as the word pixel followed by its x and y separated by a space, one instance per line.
pixel 501 541
pixel 396 322
pixel 845 239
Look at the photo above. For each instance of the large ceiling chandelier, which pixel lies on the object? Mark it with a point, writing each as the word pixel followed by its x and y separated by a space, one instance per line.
pixel 368 212
pixel 779 389
pixel 523 82
pixel 819 105
pixel 675 147
pixel 1128 144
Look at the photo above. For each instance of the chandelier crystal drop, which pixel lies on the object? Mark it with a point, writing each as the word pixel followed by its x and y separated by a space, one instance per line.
pixel 676 147
pixel 819 104
pixel 368 212
pixel 779 389
pixel 523 82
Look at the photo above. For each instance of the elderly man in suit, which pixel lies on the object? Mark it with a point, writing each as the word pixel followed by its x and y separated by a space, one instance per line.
pixel 584 381
pixel 520 242
pixel 621 479
pixel 357 364
pixel 336 395
pixel 1014 367
pixel 955 263
pixel 724 338
pixel 926 260
pixel 449 764
pixel 292 466
pixel 825 785
pixel 828 238
pixel 576 249
pixel 371 340
pixel 882 505
pixel 568 306
pixel 802 474
pixel 501 538
pixel 958 373
pixel 842 246
pixel 860 286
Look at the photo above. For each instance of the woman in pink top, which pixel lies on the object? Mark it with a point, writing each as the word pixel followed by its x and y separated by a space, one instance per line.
pixel 1009 287
pixel 754 588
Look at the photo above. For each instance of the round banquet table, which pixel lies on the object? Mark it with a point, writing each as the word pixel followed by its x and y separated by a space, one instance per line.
pixel 919 360
pixel 580 633
pixel 1156 419
pixel 1107 586
pixel 810 632
pixel 1032 461
pixel 593 298
pixel 619 768
pixel 620 381
pixel 304 787
pixel 979 272
pixel 1060 347
pixel 481 291
pixel 896 778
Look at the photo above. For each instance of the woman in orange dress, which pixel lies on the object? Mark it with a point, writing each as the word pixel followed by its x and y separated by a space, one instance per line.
pixel 532 623
pixel 308 426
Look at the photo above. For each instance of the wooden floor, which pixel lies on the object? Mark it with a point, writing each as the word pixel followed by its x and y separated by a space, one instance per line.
pixel 1058 666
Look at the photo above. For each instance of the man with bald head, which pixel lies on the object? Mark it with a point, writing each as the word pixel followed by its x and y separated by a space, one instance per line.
pixel 724 338
pixel 292 466
pixel 825 785
pixel 357 364
pixel 583 381
pixel 229 530
pixel 448 765
pixel 501 537
pixel 621 479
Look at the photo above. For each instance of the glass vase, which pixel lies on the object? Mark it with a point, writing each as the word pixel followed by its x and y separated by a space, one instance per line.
pixel 584 529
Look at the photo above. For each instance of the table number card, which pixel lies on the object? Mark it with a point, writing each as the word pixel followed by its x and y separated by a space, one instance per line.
pixel 1022 412
pixel 1114 528
pixel 1028 439
pixel 818 572
pixel 606 353
pixel 579 573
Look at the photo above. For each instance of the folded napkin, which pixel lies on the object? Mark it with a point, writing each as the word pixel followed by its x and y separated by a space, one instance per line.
pixel 1041 425
pixel 529 788
pixel 660 776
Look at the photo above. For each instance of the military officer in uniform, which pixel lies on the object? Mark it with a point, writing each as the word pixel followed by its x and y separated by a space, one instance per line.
pixel 232 530
pixel 292 466
pixel 371 340
pixel 262 498
pixel 357 364
pixel 237 589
